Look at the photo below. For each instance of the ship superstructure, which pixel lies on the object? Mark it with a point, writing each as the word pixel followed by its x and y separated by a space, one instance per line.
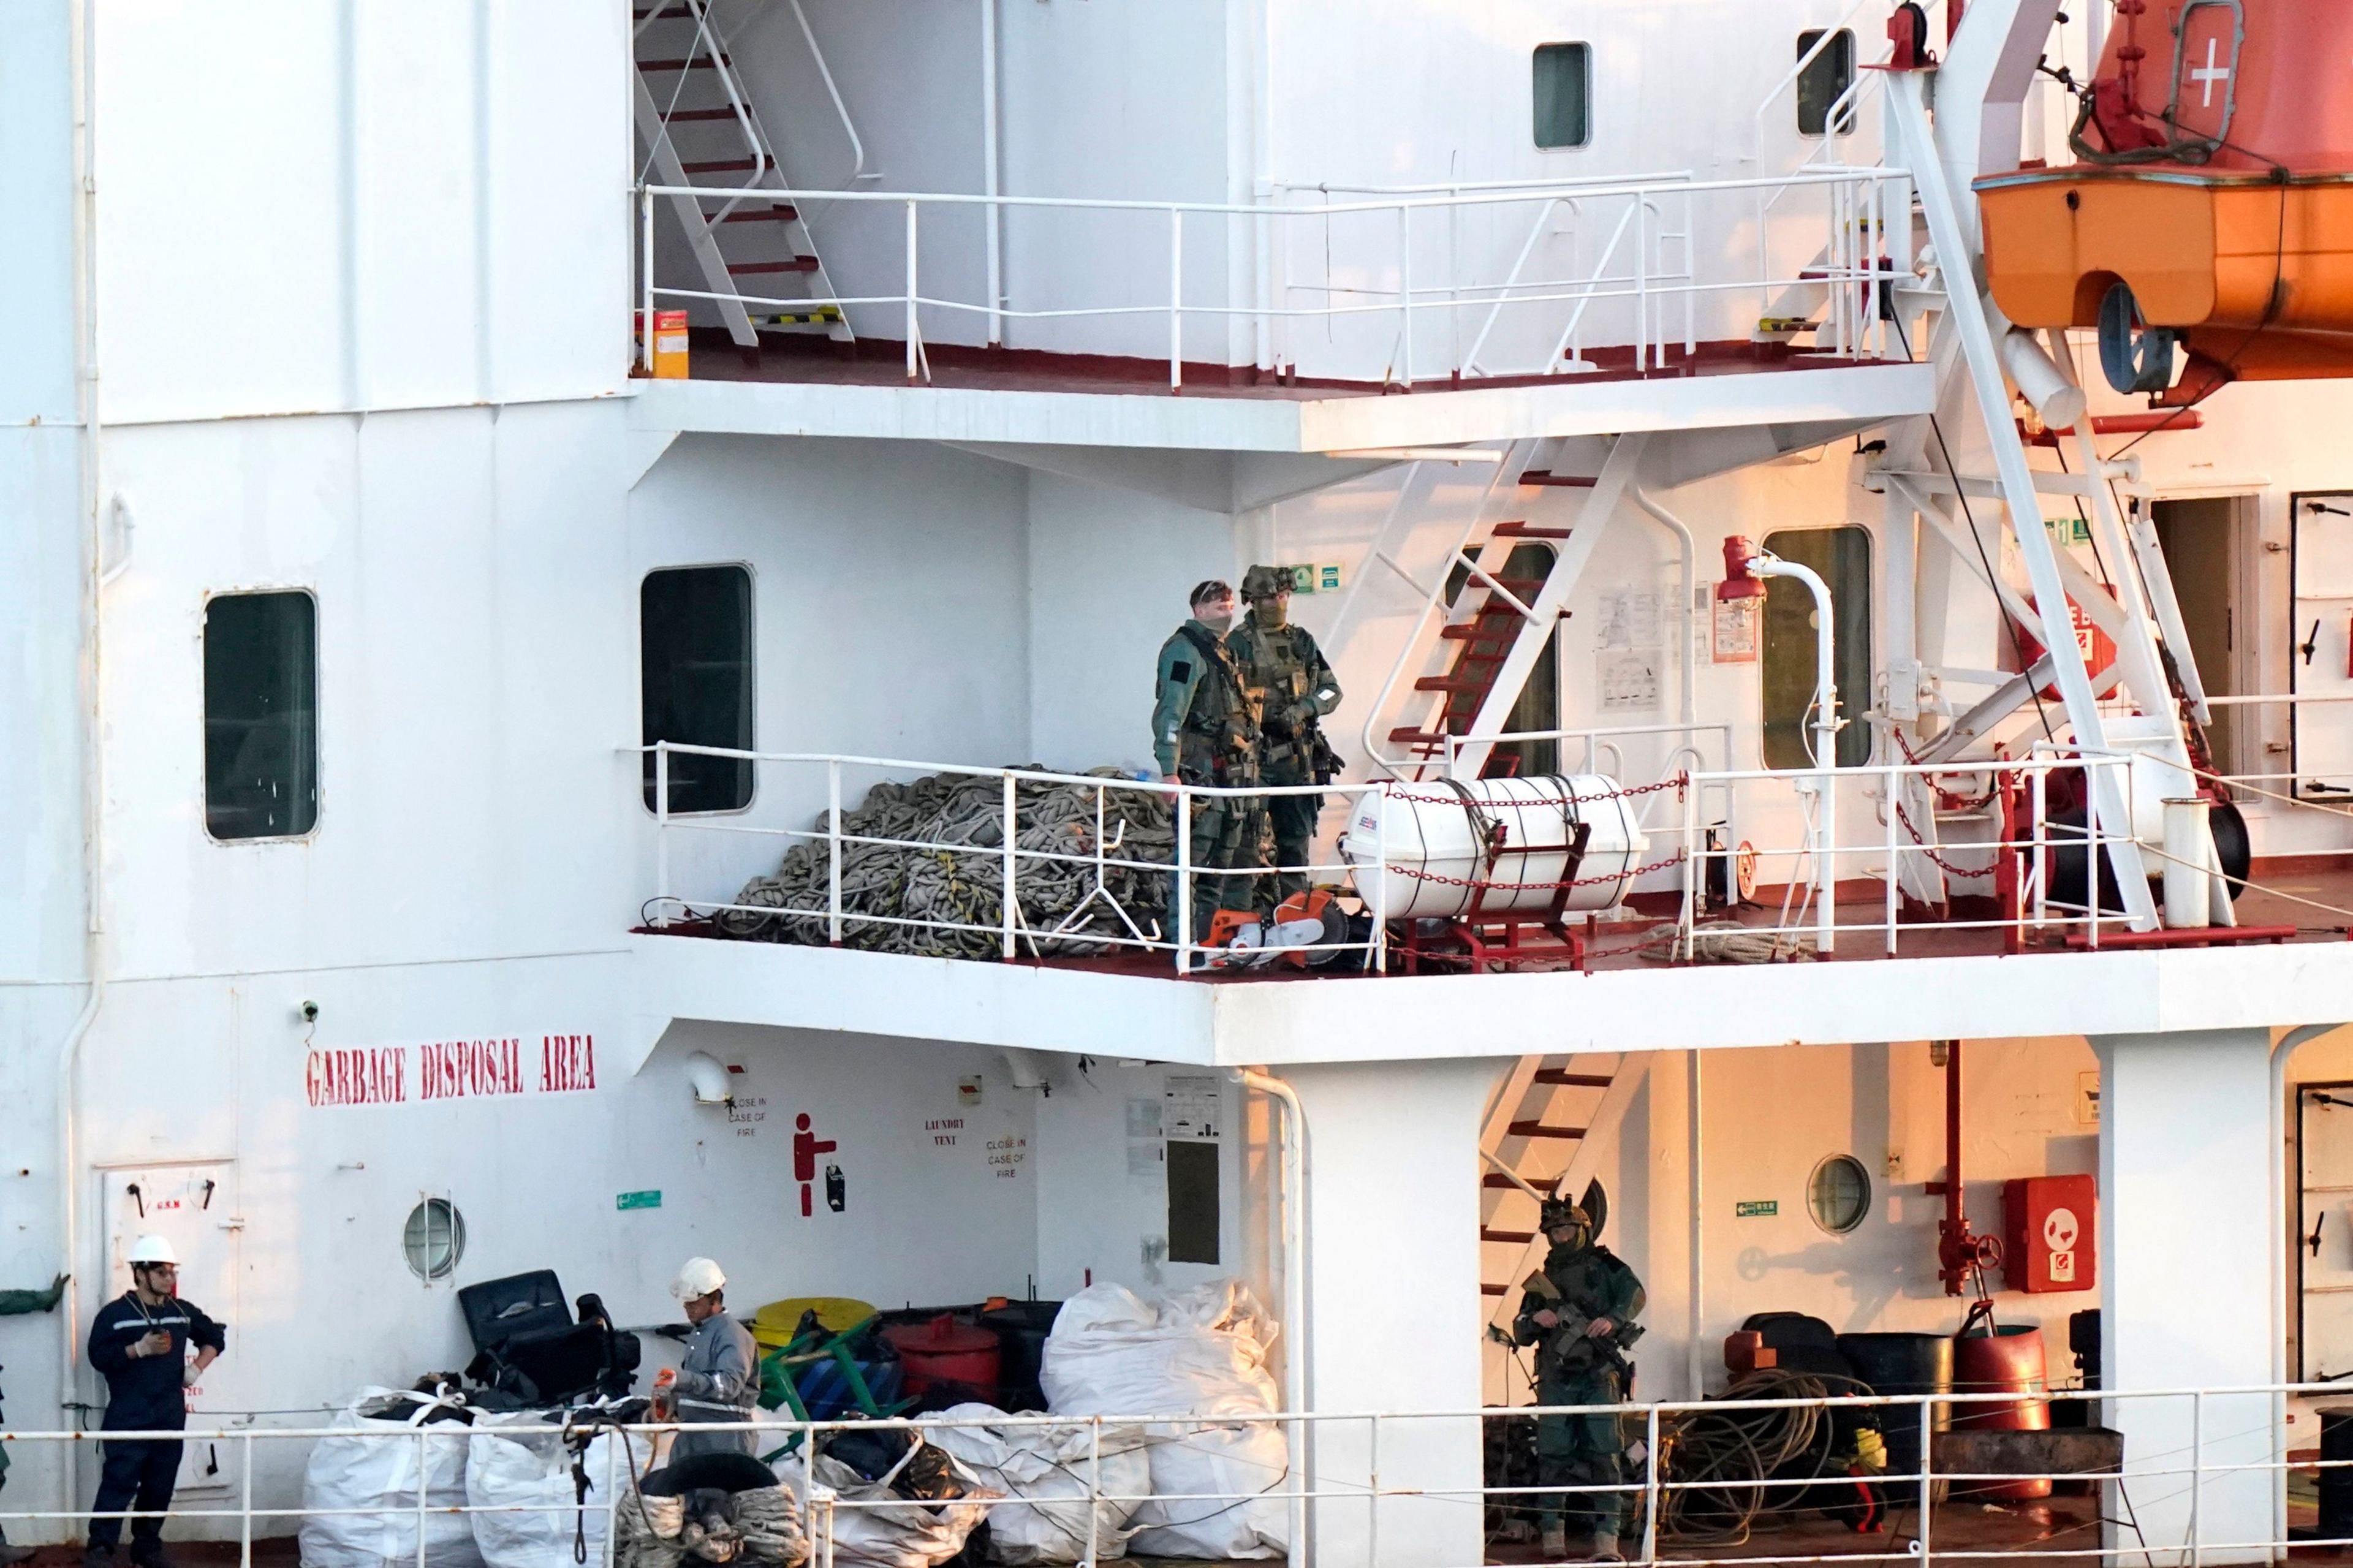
pixel 492 484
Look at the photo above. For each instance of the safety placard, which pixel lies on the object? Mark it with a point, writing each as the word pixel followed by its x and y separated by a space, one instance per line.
pixel 650 1198
pixel 1756 1208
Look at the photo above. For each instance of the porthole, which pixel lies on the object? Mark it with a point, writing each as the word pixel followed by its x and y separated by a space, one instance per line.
pixel 433 1239
pixel 1838 1194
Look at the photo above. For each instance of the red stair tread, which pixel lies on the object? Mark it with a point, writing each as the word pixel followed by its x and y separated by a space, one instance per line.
pixel 1538 1130
pixel 797 264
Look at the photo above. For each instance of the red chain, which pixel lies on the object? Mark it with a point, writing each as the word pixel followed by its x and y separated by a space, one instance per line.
pixel 1536 887
pixel 1952 801
pixel 1676 783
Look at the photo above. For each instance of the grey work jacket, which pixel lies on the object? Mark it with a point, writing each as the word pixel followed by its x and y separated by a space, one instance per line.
pixel 718 1381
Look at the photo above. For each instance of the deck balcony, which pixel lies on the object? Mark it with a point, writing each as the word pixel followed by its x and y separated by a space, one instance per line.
pixel 1314 322
pixel 1741 907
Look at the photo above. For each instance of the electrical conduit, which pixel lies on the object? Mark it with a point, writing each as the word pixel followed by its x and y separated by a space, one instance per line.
pixel 93 759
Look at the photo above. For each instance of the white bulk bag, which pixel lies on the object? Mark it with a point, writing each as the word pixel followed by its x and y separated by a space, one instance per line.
pixel 1048 1470
pixel 1198 1352
pixel 377 1468
pixel 883 1530
pixel 530 1468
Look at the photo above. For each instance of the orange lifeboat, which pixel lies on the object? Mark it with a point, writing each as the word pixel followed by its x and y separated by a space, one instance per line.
pixel 2211 206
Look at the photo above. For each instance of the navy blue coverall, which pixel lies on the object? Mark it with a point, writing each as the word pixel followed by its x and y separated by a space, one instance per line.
pixel 143 1394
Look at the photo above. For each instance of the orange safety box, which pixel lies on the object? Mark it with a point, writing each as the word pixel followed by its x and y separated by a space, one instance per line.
pixel 2047 1228
pixel 669 344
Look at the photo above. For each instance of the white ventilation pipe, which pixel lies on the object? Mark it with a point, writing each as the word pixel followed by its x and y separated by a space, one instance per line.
pixel 1291 1195
pixel 2054 396
pixel 1764 564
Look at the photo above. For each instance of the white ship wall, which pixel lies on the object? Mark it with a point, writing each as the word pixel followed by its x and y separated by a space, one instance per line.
pixel 311 208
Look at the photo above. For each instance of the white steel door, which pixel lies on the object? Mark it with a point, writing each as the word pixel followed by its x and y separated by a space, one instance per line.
pixel 191 1207
pixel 2320 645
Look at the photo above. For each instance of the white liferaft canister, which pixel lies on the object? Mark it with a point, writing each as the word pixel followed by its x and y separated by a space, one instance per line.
pixel 1444 840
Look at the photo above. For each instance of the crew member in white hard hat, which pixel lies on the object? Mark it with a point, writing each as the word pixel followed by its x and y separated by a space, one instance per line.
pixel 720 1377
pixel 140 1342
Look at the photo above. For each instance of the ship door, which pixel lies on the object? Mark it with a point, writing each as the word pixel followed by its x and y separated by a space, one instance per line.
pixel 2324 1254
pixel 191 1206
pixel 2204 541
pixel 2320 647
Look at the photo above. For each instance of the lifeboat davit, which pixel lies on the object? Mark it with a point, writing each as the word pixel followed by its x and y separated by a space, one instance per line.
pixel 2211 204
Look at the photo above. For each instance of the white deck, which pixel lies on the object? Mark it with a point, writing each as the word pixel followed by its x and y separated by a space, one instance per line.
pixel 1237 1022
pixel 1854 396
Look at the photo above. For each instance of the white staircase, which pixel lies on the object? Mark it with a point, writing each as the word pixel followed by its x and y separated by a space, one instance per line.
pixel 1469 654
pixel 1545 1130
pixel 696 126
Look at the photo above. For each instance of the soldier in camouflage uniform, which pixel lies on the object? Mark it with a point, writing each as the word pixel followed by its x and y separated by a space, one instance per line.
pixel 1578 1311
pixel 1284 671
pixel 1205 732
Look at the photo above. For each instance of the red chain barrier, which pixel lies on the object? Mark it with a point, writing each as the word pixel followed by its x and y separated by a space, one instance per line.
pixel 1535 886
pixel 1676 783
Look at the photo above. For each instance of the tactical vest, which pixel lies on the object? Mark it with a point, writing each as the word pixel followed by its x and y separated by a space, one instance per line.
pixel 1219 736
pixel 1276 679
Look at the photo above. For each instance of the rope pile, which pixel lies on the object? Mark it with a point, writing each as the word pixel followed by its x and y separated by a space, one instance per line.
pixel 1708 1455
pixel 944 862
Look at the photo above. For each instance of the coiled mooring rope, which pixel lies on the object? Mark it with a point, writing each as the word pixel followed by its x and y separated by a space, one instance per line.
pixel 933 851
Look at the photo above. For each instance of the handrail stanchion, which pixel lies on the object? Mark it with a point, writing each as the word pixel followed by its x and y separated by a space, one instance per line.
pixel 245 1513
pixel 1651 1486
pixel 914 335
pixel 1893 802
pixel 1694 867
pixel 2196 1477
pixel 1373 1496
pixel 1176 300
pixel 1641 287
pixel 1927 1501
pixel 662 827
pixel 424 1469
pixel 1381 954
pixel 1010 903
pixel 2040 790
pixel 1181 894
pixel 1405 294
pixel 1094 1486
pixel 833 851
pixel 646 283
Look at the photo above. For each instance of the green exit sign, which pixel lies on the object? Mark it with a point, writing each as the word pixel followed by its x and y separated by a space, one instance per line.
pixel 1756 1208
pixel 1317 578
pixel 649 1199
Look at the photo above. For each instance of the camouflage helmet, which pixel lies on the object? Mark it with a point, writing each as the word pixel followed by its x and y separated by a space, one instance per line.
pixel 1266 581
pixel 1560 1213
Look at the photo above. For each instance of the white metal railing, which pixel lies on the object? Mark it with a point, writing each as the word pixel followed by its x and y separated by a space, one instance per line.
pixel 2183 1476
pixel 1637 270
pixel 989 882
pixel 1090 858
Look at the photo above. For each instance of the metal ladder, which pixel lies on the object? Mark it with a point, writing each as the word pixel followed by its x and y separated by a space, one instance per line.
pixel 1472 651
pixel 694 119
pixel 1538 1132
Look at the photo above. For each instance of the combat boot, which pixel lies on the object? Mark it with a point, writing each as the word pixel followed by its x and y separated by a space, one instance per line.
pixel 1606 1550
pixel 12 1555
pixel 97 1557
pixel 1554 1546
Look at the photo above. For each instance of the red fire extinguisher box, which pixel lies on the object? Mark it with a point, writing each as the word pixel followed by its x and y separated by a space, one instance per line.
pixel 2048 1222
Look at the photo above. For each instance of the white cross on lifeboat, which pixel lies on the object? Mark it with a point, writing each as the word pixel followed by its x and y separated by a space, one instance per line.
pixel 2206 75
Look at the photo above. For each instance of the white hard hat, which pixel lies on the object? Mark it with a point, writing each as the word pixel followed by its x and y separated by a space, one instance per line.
pixel 697 1277
pixel 153 1250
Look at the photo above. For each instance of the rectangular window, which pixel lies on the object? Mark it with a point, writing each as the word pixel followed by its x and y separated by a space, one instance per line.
pixel 1823 81
pixel 1841 556
pixel 694 644
pixel 1193 1202
pixel 261 715
pixel 1564 93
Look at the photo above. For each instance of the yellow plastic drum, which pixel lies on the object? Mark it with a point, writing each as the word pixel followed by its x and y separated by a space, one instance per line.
pixel 773 1325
